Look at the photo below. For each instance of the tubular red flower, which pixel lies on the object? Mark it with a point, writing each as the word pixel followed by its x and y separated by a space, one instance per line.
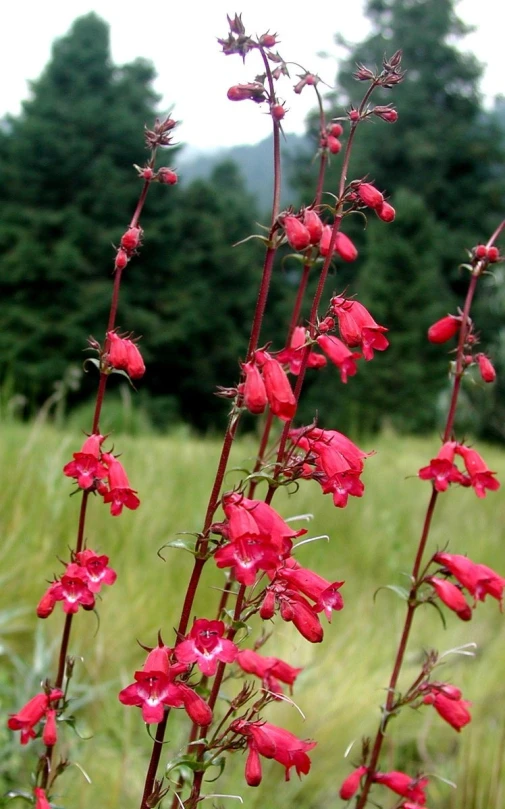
pixel 96 569
pixel 454 711
pixel 478 579
pixel 481 477
pixel 486 368
pixel 313 224
pixel 123 355
pixel 357 326
pixel 206 646
pixel 50 733
pixel 370 195
pixel 452 597
pixel 345 248
pixel 276 743
pixel 339 355
pixel 442 470
pixel 279 393
pixel 120 493
pixel 444 329
pixel 293 355
pixel 86 467
pixel 351 784
pixel 41 801
pixel 269 669
pixel 32 713
pixel 254 391
pixel 297 234
pixel 403 784
pixel 386 212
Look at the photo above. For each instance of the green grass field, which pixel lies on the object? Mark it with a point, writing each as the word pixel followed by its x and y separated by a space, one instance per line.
pixel 371 544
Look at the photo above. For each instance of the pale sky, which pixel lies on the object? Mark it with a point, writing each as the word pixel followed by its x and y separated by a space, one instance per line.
pixel 193 74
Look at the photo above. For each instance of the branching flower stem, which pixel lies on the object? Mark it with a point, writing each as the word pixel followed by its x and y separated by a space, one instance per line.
pixel 412 602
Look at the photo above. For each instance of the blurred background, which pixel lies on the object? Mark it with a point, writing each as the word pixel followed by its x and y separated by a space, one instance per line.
pixel 67 190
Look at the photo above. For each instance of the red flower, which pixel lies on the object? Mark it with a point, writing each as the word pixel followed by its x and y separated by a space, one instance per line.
pixel 120 493
pixel 442 469
pixel 478 579
pixel 279 393
pixel 96 569
pixel 41 801
pixel 294 354
pixel 32 713
pixel 481 477
pixel 351 784
pixel 444 329
pixel 345 248
pixel 339 355
pixel 403 784
pixel 313 224
pixel 73 589
pixel 254 391
pixel 298 236
pixel 86 467
pixel 486 368
pixel 334 145
pixel 270 741
pixel 50 733
pixel 154 688
pixel 131 239
pixel 124 355
pixel 357 326
pixel 269 669
pixel 386 212
pixel 166 176
pixel 453 709
pixel 370 195
pixel 206 646
pixel 452 597
pixel 325 593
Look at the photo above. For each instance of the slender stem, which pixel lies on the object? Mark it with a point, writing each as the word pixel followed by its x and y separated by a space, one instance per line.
pixel 405 635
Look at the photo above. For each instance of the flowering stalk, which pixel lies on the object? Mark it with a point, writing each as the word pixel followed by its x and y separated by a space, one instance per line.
pixel 452 598
pixel 97 472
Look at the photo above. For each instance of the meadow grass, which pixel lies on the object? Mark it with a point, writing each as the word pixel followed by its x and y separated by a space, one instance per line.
pixel 371 545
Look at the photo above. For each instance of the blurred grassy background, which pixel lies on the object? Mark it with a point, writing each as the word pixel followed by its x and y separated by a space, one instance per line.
pixel 371 544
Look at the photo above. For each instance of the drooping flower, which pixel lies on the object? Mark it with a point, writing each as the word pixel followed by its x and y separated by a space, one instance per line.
pixel 270 670
pixel 87 467
pixel 32 713
pixel 403 784
pixel 155 688
pixel 386 212
pixel 254 391
pixel 486 368
pixel 206 646
pixel 120 492
pixel 357 326
pixel 41 801
pixel 293 355
pixel 345 248
pixel 370 195
pixel 340 355
pixel 297 234
pixel 478 579
pixel 442 470
pixel 50 733
pixel 452 597
pixel 444 329
pixel 123 355
pixel 451 708
pixel 481 477
pixel 270 741
pixel 279 393
pixel 351 784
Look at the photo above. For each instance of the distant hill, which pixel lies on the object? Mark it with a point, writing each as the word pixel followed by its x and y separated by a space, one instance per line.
pixel 255 162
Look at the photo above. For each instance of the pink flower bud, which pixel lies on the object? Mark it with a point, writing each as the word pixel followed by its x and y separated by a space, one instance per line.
pixel 387 114
pixel 386 212
pixel 131 239
pixel 345 248
pixel 167 176
pixel 313 224
pixel 268 40
pixel 123 355
pixel 486 368
pixel 121 259
pixel 444 329
pixel 297 234
pixel 46 604
pixel 335 130
pixel 334 145
pixel 480 251
pixel 354 116
pixel 242 92
pixel 277 112
pixel 254 392
pixel 41 801
pixel 493 254
pixel 50 734
pixel 146 173
pixel 452 597
pixel 351 784
pixel 370 195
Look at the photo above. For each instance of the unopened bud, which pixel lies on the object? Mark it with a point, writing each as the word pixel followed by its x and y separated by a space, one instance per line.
pixel 493 254
pixel 268 40
pixel 334 145
pixel 326 325
pixel 277 112
pixel 131 239
pixel 354 116
pixel 486 368
pixel 121 259
pixel 386 113
pixel 444 329
pixel 480 251
pixel 242 92
pixel 363 73
pixel 167 176
pixel 336 130
pixel 370 195
pixel 386 212
pixel 145 173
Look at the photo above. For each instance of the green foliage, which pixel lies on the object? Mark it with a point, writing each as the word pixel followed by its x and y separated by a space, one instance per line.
pixel 441 163
pixel 67 192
